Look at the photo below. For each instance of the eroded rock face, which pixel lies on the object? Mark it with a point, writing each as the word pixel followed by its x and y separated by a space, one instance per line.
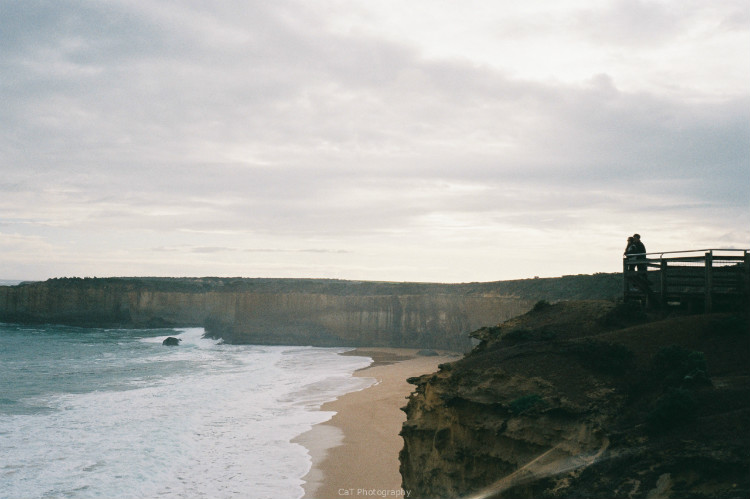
pixel 434 316
pixel 550 405
pixel 295 311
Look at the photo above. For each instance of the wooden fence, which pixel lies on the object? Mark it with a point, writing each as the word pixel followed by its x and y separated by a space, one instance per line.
pixel 707 280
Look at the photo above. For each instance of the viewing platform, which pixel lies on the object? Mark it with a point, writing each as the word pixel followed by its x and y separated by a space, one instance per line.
pixel 699 280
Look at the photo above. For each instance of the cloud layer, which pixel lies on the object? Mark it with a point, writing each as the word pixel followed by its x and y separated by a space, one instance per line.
pixel 368 140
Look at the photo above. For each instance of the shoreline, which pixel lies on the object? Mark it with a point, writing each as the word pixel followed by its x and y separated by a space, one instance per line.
pixel 356 451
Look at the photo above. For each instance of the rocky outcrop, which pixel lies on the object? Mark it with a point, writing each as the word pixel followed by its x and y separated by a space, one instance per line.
pixel 585 399
pixel 171 341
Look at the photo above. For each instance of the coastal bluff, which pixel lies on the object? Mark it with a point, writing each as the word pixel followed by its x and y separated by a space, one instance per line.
pixel 319 312
pixel 587 399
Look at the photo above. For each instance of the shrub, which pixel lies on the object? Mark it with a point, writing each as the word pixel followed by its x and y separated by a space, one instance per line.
pixel 525 403
pixel 607 358
pixel 677 365
pixel 541 305
pixel 624 314
pixel 673 408
pixel 731 325
pixel 548 335
pixel 517 336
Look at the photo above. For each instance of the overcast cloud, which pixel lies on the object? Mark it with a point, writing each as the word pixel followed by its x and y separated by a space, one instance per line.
pixel 389 140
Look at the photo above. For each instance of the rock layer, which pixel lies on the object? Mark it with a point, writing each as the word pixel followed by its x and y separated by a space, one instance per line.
pixel 293 311
pixel 581 399
pixel 436 320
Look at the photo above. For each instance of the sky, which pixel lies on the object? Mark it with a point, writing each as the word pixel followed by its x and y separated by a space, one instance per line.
pixel 383 140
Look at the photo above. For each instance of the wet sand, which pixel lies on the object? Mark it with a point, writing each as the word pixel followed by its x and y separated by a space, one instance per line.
pixel 355 454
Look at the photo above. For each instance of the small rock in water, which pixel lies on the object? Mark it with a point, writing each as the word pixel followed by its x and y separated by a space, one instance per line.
pixel 171 341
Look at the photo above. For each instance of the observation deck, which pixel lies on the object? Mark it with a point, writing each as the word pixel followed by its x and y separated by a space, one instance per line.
pixel 700 280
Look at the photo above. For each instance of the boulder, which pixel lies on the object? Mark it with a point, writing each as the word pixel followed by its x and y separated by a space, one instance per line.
pixel 171 341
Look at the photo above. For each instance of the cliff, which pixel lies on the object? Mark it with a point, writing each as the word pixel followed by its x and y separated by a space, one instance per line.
pixel 585 399
pixel 295 311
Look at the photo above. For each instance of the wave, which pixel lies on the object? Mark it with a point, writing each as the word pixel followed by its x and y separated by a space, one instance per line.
pixel 201 420
pixel 191 336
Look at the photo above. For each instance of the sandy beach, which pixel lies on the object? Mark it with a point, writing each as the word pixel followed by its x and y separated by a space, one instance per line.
pixel 355 454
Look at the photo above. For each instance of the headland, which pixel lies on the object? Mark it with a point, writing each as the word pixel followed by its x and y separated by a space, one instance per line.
pixel 319 312
pixel 587 399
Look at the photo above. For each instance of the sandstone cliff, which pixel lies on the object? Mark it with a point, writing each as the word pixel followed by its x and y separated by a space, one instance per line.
pixel 584 399
pixel 294 311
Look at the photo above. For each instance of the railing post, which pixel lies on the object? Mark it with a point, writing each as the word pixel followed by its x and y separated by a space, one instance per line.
pixel 709 282
pixel 663 282
pixel 624 279
pixel 746 280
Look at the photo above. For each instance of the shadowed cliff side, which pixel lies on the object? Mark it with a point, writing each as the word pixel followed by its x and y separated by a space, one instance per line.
pixel 585 399
pixel 295 311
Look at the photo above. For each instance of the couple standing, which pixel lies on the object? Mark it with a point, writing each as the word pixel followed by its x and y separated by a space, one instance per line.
pixel 635 247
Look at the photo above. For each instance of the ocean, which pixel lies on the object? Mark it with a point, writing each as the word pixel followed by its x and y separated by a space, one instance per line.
pixel 87 412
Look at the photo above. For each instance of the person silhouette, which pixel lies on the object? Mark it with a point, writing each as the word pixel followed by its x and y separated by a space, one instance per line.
pixel 629 250
pixel 640 250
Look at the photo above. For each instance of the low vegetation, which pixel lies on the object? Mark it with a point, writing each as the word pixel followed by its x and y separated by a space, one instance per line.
pixel 662 399
pixel 606 358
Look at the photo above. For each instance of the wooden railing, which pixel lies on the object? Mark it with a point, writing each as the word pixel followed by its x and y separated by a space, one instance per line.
pixel 699 279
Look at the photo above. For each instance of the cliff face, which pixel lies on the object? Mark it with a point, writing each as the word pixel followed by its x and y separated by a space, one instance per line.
pixel 312 314
pixel 436 321
pixel 296 311
pixel 582 399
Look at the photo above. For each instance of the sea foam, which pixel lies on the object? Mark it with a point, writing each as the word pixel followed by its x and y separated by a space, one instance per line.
pixel 203 419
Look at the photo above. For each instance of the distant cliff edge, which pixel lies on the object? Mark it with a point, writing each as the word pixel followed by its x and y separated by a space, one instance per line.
pixel 320 312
